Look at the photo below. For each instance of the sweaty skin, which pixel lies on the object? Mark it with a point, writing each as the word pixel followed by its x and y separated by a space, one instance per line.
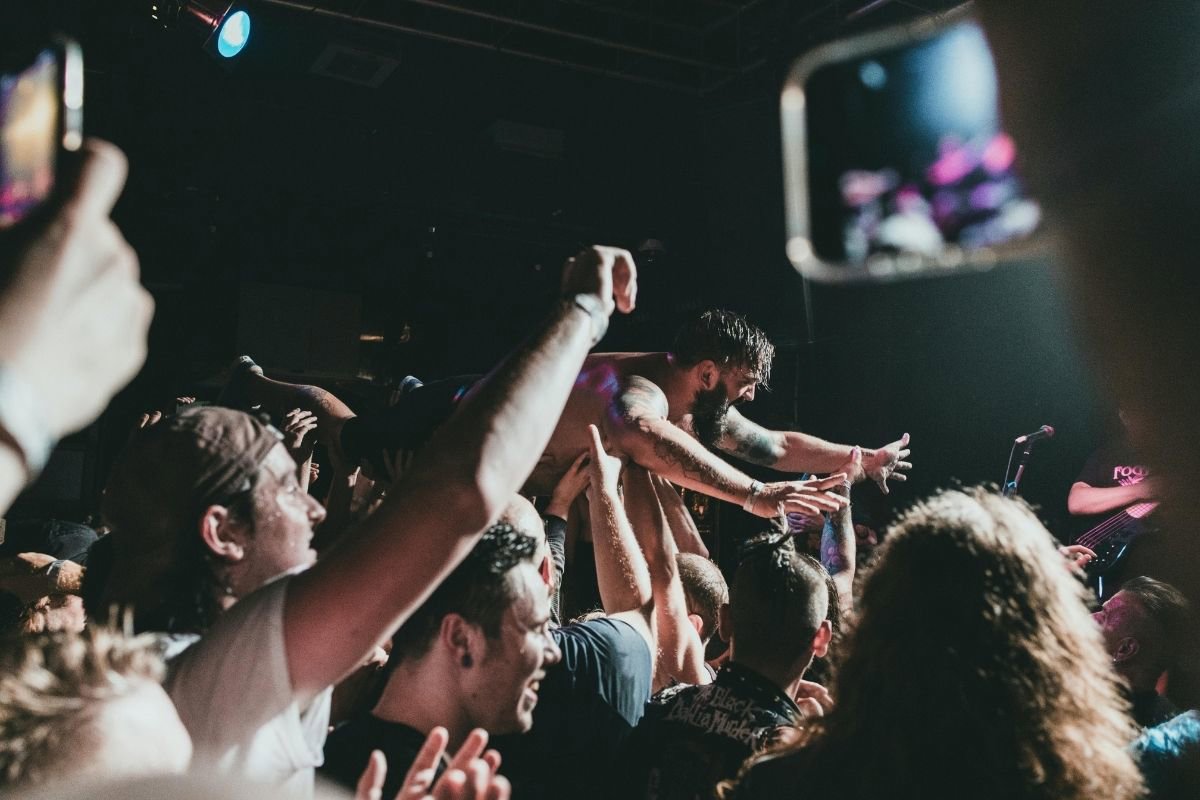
pixel 602 380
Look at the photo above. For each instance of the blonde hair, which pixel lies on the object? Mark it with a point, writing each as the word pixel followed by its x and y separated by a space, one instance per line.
pixel 53 685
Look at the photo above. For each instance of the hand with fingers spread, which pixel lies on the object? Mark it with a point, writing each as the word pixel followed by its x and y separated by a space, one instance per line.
pixel 470 775
pixel 569 486
pixel 297 425
pixel 889 462
pixel 810 497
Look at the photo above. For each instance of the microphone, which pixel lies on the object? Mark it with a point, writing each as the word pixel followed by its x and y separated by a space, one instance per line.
pixel 1044 432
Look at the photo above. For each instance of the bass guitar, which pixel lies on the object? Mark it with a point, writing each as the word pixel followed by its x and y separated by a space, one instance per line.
pixel 1111 538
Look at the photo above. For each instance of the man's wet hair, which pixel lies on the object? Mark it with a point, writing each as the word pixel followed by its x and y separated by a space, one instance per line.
pixel 479 590
pixel 728 340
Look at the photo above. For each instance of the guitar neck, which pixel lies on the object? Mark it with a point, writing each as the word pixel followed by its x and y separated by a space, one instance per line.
pixel 1114 525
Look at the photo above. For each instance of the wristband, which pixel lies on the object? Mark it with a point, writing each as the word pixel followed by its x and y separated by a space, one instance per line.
pixel 592 306
pixel 748 503
pixel 21 418
pixel 52 570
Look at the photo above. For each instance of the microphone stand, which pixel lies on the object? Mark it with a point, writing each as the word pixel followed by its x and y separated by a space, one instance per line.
pixel 1010 487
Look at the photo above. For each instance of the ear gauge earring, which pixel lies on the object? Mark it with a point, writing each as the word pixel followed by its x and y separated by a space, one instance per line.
pixel 466 660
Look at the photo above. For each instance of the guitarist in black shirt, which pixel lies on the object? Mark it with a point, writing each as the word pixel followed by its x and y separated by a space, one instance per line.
pixel 1117 495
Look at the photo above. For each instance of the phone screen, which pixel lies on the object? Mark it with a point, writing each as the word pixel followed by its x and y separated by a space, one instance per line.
pixel 906 153
pixel 34 106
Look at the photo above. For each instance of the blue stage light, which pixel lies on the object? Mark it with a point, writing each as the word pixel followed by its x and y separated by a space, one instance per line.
pixel 234 33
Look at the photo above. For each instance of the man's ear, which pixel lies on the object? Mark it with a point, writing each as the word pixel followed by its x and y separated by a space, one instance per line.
pixel 725 623
pixel 824 635
pixel 698 624
pixel 1127 648
pixel 708 373
pixel 462 640
pixel 546 570
pixel 224 535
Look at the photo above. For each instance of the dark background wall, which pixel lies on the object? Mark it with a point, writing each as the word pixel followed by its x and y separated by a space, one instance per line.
pixel 442 201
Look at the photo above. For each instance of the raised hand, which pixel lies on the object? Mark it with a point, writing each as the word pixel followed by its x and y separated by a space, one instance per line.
pixel 573 481
pixel 853 468
pixel 810 497
pixel 603 469
pixel 296 425
pixel 813 699
pixel 889 462
pixel 73 315
pixel 607 273
pixel 471 774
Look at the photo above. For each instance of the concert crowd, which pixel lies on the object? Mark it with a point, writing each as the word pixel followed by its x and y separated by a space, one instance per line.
pixel 284 596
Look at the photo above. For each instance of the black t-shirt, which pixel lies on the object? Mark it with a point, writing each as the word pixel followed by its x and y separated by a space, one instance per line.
pixel 1113 465
pixel 349 747
pixel 587 705
pixel 693 737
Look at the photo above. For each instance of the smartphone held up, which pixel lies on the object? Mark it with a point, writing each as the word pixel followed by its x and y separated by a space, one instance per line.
pixel 896 162
pixel 41 118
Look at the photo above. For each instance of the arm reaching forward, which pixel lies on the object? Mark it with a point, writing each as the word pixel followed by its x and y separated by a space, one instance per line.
pixel 353 599
pixel 639 425
pixel 792 451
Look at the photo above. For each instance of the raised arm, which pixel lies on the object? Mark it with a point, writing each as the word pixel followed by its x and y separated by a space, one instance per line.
pixel 637 421
pixel 839 547
pixel 621 571
pixel 353 599
pixel 73 316
pixel 680 650
pixel 792 451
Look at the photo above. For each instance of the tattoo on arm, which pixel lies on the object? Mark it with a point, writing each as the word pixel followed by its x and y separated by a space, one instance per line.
pixel 749 441
pixel 833 556
pixel 672 453
pixel 838 545
pixel 641 408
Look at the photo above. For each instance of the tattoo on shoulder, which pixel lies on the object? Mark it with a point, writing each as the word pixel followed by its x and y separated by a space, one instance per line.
pixel 641 398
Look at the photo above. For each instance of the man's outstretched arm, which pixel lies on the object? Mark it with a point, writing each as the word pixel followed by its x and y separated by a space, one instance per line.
pixel 364 589
pixel 637 422
pixel 792 451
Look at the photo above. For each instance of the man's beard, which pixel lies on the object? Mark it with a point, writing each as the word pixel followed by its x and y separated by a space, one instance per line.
pixel 709 410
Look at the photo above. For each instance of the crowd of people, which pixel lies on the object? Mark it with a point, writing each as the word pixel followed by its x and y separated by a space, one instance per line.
pixel 223 631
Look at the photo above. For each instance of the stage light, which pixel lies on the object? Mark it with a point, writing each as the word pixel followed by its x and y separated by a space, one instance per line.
pixel 233 34
pixel 223 26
